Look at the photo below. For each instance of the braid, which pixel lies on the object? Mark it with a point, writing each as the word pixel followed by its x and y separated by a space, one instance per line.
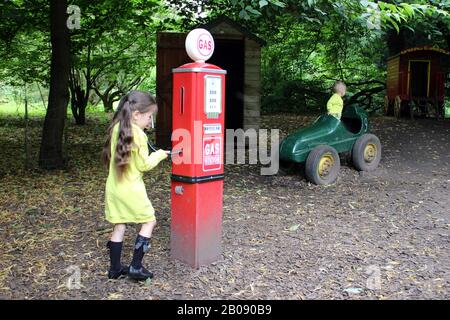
pixel 125 139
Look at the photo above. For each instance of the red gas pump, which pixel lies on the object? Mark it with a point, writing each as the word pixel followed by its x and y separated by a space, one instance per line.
pixel 197 165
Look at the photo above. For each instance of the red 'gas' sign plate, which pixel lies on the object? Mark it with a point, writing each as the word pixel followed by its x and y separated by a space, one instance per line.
pixel 212 153
pixel 205 44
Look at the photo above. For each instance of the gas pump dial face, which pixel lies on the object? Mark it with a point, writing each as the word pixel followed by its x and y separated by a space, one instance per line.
pixel 213 96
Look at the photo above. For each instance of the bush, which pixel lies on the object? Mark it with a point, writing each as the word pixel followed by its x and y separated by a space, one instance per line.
pixel 293 96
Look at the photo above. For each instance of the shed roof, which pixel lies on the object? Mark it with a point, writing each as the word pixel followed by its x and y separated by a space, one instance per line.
pixel 423 48
pixel 235 25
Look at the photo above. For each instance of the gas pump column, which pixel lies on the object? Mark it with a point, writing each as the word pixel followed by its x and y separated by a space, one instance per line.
pixel 197 170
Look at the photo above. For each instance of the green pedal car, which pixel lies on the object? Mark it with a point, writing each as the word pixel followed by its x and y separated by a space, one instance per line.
pixel 319 145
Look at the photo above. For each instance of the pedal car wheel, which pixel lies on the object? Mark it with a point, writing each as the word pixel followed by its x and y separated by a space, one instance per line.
pixel 322 165
pixel 366 152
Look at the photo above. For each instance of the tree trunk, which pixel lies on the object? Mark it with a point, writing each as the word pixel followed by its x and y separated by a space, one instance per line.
pixel 82 115
pixel 51 155
pixel 107 97
pixel 79 97
pixel 107 105
pixel 78 105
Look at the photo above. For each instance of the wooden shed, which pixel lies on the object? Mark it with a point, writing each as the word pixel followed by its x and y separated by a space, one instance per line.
pixel 236 50
pixel 416 82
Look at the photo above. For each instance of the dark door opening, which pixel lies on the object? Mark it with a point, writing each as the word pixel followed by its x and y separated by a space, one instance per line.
pixel 229 55
pixel 419 78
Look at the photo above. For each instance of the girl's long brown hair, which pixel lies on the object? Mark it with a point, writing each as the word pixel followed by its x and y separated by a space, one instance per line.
pixel 134 101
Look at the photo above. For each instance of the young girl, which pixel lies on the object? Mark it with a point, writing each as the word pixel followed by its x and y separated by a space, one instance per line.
pixel 336 104
pixel 126 156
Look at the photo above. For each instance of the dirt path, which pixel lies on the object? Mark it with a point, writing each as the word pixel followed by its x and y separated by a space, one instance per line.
pixel 383 235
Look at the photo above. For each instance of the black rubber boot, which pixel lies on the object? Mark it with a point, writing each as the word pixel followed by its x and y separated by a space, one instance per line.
pixel 116 269
pixel 139 274
pixel 116 274
pixel 136 271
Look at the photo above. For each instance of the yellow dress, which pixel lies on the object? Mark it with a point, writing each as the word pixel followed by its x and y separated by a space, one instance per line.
pixel 335 105
pixel 126 201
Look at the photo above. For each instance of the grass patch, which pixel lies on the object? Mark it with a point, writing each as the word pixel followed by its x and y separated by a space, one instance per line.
pixel 36 110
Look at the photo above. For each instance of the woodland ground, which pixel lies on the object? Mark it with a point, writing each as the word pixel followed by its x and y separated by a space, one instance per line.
pixel 283 238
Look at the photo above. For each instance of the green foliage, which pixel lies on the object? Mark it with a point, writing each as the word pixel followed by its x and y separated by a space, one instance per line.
pixel 313 43
pixel 116 44
pixel 112 50
pixel 304 58
pixel 293 96
pixel 388 14
pixel 24 46
pixel 310 43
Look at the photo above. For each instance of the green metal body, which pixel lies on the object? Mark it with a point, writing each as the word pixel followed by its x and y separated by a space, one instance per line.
pixel 326 130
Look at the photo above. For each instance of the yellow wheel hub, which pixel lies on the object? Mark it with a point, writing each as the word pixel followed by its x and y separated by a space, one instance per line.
pixel 370 152
pixel 326 163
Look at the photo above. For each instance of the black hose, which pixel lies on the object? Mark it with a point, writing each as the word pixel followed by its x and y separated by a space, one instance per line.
pixel 151 146
pixel 154 149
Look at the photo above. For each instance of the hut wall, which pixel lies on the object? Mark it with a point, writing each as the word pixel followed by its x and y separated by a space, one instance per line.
pixel 252 85
pixel 392 82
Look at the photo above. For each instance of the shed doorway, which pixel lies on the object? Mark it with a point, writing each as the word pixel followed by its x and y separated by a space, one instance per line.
pixel 229 55
pixel 419 78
